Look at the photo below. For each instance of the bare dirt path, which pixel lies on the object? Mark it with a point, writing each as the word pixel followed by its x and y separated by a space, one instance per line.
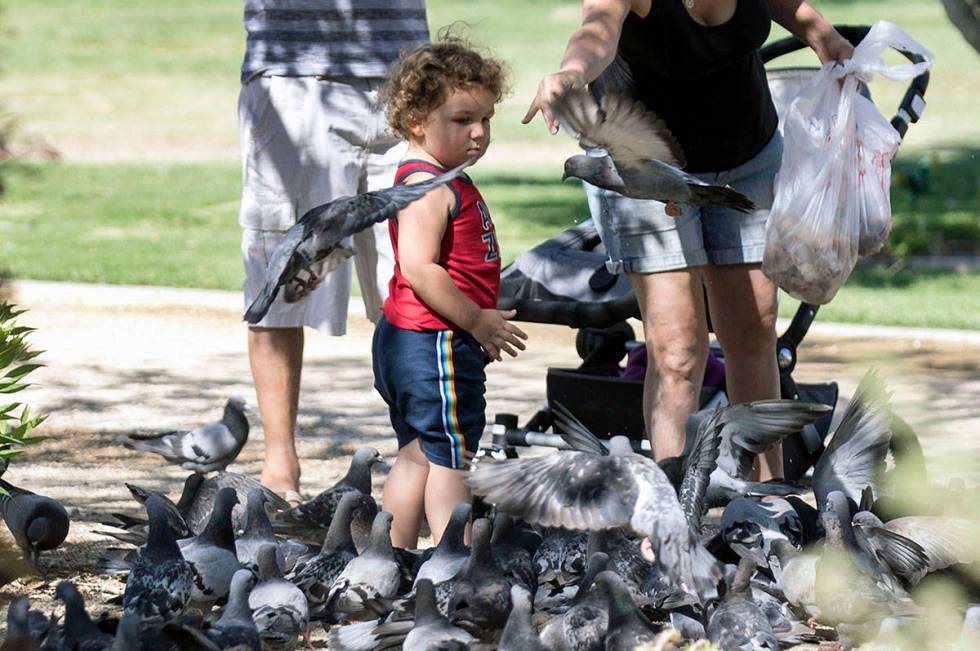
pixel 123 359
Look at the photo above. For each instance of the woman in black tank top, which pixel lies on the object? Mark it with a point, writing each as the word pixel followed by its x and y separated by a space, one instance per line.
pixel 696 64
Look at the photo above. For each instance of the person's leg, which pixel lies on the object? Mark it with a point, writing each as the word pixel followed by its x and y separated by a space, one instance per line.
pixel 276 356
pixel 404 492
pixel 675 331
pixel 742 303
pixel 444 489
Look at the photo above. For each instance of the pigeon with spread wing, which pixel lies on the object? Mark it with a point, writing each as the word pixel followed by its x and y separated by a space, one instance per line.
pixel 643 159
pixel 324 228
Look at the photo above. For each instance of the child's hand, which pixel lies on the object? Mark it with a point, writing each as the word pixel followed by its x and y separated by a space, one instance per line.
pixel 492 330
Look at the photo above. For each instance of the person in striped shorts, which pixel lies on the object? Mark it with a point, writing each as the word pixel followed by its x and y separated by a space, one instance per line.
pixel 440 325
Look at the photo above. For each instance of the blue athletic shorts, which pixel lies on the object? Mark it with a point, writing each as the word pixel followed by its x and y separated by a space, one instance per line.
pixel 641 238
pixel 434 383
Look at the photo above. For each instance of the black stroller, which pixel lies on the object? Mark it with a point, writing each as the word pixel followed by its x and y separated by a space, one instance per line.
pixel 564 281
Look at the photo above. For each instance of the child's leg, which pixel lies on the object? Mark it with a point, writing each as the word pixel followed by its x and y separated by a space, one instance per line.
pixel 444 489
pixel 404 491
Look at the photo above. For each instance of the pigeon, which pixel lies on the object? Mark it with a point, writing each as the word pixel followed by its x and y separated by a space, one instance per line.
pixel 451 553
pixel 315 576
pixel 161 582
pixel 738 623
pixel 200 508
pixel 749 525
pixel 19 635
pixel 235 630
pixel 375 574
pixel 855 457
pixel 202 449
pixel 796 575
pixel 212 554
pixel 628 628
pixel 257 532
pixel 323 229
pixel 581 490
pixel 560 559
pixel 480 599
pixel 642 157
pixel 78 631
pixel 136 527
pixel 431 627
pixel 313 517
pixel 37 523
pixel 943 541
pixel 519 633
pixel 513 548
pixel 279 608
pixel 583 626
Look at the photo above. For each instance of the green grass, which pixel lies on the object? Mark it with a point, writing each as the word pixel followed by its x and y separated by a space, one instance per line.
pixel 175 224
pixel 140 100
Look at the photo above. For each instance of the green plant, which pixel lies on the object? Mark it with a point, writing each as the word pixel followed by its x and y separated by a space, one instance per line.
pixel 16 355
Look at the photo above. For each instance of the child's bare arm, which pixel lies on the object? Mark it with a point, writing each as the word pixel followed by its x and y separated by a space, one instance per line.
pixel 420 230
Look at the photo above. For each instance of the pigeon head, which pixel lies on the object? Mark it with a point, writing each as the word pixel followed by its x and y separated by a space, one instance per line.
pixel 866 519
pixel 620 446
pixel 596 170
pixel 368 456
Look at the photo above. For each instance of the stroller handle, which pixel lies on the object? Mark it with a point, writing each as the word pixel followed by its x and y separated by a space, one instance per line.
pixel 574 314
pixel 913 103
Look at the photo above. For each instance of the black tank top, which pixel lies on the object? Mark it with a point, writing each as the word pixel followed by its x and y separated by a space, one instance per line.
pixel 707 83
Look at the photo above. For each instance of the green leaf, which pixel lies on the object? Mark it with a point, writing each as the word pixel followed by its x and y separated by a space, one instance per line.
pixel 31 440
pixel 7 387
pixel 9 454
pixel 22 370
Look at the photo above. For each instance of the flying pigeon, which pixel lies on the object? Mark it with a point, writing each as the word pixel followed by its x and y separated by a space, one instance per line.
pixel 202 449
pixel 581 490
pixel 643 158
pixel 322 229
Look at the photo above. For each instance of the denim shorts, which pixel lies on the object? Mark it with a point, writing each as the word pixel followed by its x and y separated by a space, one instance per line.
pixel 641 238
pixel 434 382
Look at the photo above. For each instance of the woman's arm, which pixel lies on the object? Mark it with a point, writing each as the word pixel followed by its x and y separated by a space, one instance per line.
pixel 591 48
pixel 421 227
pixel 806 23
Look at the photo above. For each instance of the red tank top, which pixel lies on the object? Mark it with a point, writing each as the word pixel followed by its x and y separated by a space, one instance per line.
pixel 468 252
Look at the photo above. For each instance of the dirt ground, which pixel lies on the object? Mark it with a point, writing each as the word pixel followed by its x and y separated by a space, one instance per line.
pixel 124 359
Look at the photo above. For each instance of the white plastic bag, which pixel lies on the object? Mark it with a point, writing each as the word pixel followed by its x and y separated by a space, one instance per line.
pixel 832 200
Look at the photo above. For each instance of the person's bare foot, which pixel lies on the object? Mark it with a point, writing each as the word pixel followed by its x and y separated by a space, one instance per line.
pixel 285 485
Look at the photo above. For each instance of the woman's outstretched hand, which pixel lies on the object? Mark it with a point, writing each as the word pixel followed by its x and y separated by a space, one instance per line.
pixel 550 88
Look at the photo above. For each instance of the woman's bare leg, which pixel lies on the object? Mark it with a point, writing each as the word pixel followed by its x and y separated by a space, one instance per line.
pixel 675 332
pixel 742 304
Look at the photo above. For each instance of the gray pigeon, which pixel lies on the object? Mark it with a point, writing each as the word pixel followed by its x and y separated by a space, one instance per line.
pixel 855 457
pixel 78 631
pixel 235 630
pixel 37 523
pixel 943 541
pixel 642 158
pixel 19 635
pixel 580 490
pixel 279 608
pixel 202 449
pixel 315 576
pixel 312 518
pixel 375 574
pixel 323 229
pixel 480 599
pixel 738 624
pixel 212 554
pixel 199 510
pixel 161 581
pixel 583 626
pixel 628 628
pixel 749 525
pixel 431 627
pixel 257 532
pixel 451 553
pixel 970 633
pixel 519 633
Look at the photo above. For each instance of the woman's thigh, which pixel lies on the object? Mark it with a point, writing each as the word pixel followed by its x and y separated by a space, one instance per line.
pixel 672 310
pixel 742 304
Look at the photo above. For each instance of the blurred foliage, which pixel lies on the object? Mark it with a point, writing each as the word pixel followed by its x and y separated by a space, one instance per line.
pixel 15 365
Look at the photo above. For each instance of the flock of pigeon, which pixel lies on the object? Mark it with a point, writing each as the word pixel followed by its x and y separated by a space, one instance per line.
pixel 560 560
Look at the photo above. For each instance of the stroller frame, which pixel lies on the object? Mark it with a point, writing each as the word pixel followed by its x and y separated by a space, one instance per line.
pixel 604 335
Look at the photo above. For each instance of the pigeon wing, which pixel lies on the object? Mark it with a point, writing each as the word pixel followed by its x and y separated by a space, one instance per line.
pixel 624 127
pixel 946 541
pixel 574 490
pixel 699 465
pixel 574 432
pixel 208 444
pixel 755 427
pixel 855 456
pixel 321 229
pixel 903 556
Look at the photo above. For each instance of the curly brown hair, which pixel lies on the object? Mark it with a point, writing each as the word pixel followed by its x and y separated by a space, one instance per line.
pixel 422 79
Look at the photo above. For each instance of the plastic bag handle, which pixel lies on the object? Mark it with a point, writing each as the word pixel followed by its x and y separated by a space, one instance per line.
pixel 912 103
